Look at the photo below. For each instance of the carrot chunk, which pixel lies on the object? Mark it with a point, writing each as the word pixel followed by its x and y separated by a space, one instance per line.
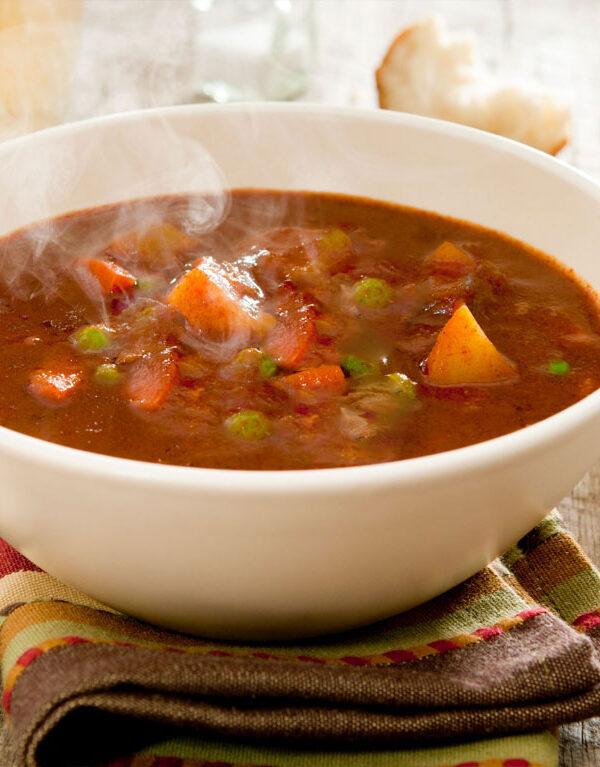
pixel 463 354
pixel 54 386
pixel 151 379
pixel 290 340
pixel 112 277
pixel 327 379
pixel 215 308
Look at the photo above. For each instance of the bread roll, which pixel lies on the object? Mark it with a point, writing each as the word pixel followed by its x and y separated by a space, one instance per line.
pixel 428 73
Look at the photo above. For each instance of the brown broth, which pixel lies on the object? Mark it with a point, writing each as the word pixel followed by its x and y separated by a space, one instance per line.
pixel 531 308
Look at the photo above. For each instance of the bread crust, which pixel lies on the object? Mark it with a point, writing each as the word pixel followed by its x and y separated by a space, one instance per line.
pixel 463 92
pixel 557 147
pixel 386 62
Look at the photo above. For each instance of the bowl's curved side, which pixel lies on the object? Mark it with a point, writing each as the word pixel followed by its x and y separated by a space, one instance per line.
pixel 255 564
pixel 289 554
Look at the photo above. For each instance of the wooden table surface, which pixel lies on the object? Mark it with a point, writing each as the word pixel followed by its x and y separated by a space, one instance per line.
pixel 137 53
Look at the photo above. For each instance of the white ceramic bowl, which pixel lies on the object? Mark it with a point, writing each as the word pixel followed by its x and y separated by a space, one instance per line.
pixel 282 554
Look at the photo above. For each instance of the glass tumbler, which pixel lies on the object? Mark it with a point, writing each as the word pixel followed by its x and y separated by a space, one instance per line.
pixel 246 50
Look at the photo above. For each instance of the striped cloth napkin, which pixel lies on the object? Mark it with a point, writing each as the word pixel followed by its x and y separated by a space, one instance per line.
pixel 457 681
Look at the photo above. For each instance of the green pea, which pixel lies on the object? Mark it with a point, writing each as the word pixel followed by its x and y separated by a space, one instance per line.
pixel 558 367
pixel 372 293
pixel 267 367
pixel 403 385
pixel 334 239
pixel 91 339
pixel 355 367
pixel 108 374
pixel 248 425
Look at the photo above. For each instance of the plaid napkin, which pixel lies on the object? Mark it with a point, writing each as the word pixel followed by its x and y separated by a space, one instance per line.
pixel 512 650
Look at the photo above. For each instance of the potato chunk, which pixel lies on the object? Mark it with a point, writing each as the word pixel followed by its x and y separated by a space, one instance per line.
pixel 154 246
pixel 448 253
pixel 463 354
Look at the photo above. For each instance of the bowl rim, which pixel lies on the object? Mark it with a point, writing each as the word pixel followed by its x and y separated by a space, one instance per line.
pixel 238 482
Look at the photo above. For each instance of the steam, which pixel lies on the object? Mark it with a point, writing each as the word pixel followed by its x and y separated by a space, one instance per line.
pixel 149 163
pixel 56 65
pixel 155 173
pixel 37 44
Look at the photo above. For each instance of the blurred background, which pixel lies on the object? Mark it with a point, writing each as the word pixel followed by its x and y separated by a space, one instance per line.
pixel 72 59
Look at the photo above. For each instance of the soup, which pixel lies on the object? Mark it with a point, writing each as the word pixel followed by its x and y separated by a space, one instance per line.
pixel 306 331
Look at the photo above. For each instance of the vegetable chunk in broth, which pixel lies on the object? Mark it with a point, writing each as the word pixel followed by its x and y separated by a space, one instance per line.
pixel 307 331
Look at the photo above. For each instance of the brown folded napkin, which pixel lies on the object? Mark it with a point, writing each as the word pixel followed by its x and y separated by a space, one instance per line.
pixel 512 650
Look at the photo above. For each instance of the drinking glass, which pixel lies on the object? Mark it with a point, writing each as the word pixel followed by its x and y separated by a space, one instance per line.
pixel 252 49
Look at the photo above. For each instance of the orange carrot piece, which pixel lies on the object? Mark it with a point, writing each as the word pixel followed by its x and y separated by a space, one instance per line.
pixel 463 354
pixel 212 308
pixel 290 340
pixel 54 386
pixel 328 379
pixel 112 277
pixel 151 379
